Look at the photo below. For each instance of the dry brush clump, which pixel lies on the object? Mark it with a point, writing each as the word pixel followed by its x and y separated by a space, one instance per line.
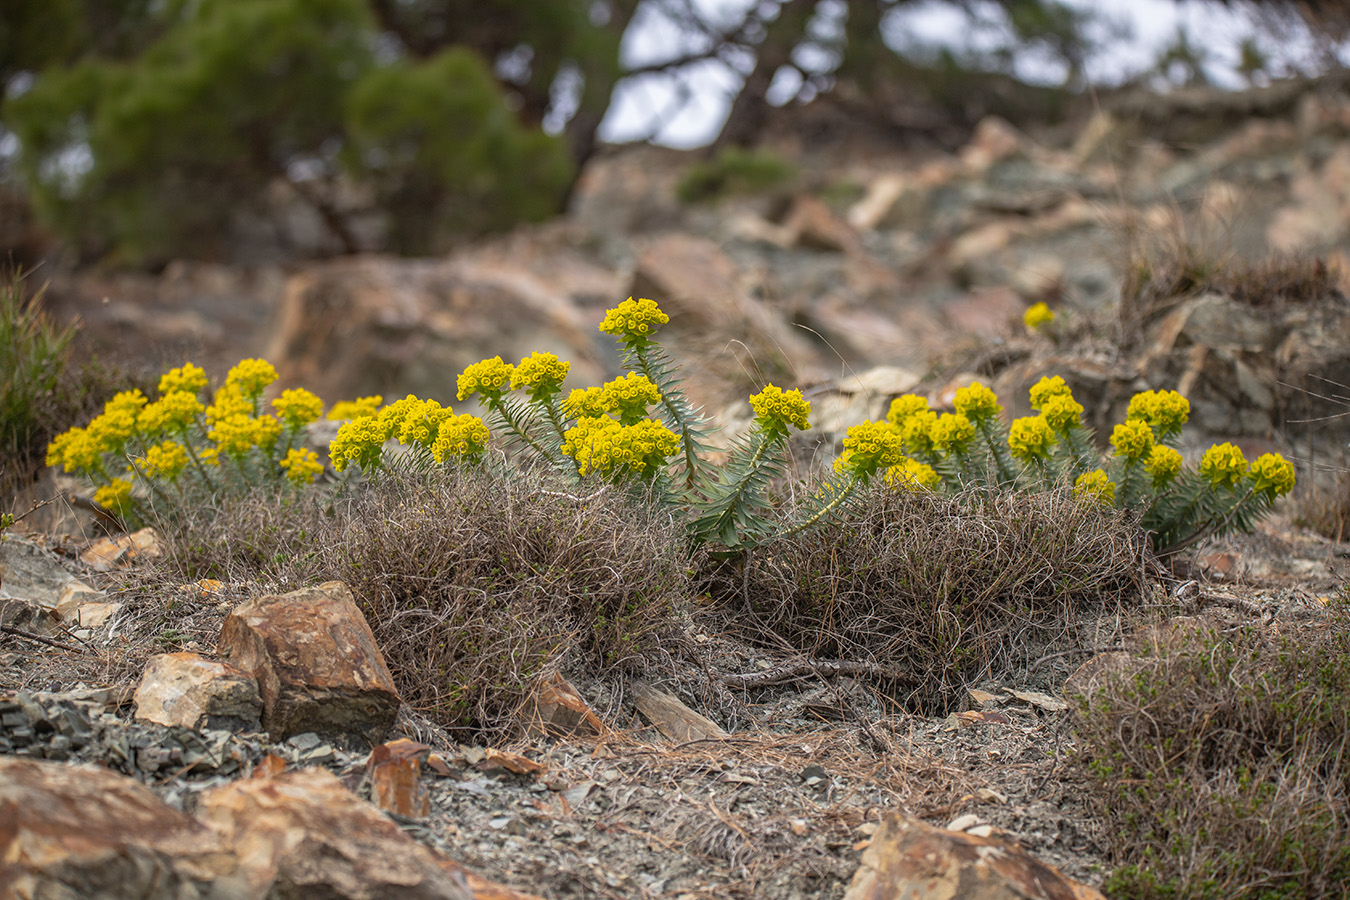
pixel 939 591
pixel 1218 764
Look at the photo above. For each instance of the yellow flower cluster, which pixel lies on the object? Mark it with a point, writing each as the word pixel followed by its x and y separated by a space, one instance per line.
pixel 491 378
pixel 910 417
pixel 1030 438
pixel 542 373
pixel 227 403
pixel 869 447
pixel 1047 387
pixel 1164 411
pixel 345 410
pixel 117 424
pixel 905 406
pixel 173 413
pixel 1272 474
pixel 1095 486
pixel 297 407
pixel 633 321
pixel 601 444
pixel 912 475
pixel 359 441
pixel 776 409
pixel 952 433
pixel 76 451
pixel 462 435
pixel 186 378
pixel 586 403
pixel 629 396
pixel 1223 464
pixel 302 466
pixel 1038 314
pixel 1163 463
pixel 251 377
pixel 977 403
pixel 421 422
pixel 166 460
pixel 1132 439
pixel 1062 412
pixel 237 434
pixel 115 496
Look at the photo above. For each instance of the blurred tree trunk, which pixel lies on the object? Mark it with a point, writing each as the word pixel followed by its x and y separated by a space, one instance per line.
pixel 751 107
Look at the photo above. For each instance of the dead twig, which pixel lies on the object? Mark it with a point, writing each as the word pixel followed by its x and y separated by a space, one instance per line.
pixel 803 667
pixel 28 635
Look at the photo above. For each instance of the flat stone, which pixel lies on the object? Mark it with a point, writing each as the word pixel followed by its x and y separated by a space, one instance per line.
pixel 37 591
pixel 188 690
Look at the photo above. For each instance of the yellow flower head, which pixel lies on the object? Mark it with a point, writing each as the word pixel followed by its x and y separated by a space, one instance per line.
pixel 904 406
pixel 1062 412
pixel 585 403
pixel 115 496
pixel 491 378
pixel 186 377
pixel 776 409
pixel 234 434
pixel 391 417
pixel 462 435
pixel 345 410
pixel 1164 411
pixel 1038 314
pixel 629 396
pixel 360 441
pixel 916 430
pixel 869 447
pixel 1046 388
pixel 251 377
pixel 912 475
pixel 302 466
pixel 422 422
pixel 1163 463
pixel 542 373
pixel 634 321
pixel 75 451
pixel 166 460
pixel 228 401
pixel 297 408
pixel 1272 474
pixel 1096 486
pixel 952 433
pixel 173 413
pixel 1030 438
pixel 1223 465
pixel 600 444
pixel 1132 439
pixel 977 403
pixel 117 424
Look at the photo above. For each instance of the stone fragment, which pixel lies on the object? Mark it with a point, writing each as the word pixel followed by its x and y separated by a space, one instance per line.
pixel 672 718
pixel 186 689
pixel 37 591
pixel 395 771
pixel 818 228
pixel 557 708
pixel 882 194
pixel 315 661
pixel 82 831
pixel 118 550
pixel 993 140
pixel 915 861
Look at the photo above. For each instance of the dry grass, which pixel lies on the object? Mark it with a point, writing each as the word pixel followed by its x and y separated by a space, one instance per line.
pixel 940 592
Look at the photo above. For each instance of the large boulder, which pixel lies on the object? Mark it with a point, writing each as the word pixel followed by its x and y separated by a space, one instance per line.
pixel 315 661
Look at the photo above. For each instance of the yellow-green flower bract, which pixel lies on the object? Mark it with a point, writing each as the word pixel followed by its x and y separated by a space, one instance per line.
pixel 115 496
pixel 237 434
pixel 1030 437
pixel 301 466
pixel 1062 412
pixel 360 441
pixel 1272 474
pixel 173 413
pixel 916 429
pixel 422 422
pixel 297 407
pixel 1049 386
pixel 1163 463
pixel 345 410
pixel 1132 439
pixel 1096 486
pixel 633 320
pixel 117 424
pixel 251 377
pixel 905 406
pixel 463 435
pixel 228 401
pixel 912 475
pixel 629 396
pixel 1223 465
pixel 977 403
pixel 166 460
pixel 585 403
pixel 952 433
pixel 600 444
pixel 76 451
pixel 1164 411
pixel 1038 314
pixel 541 373
pixel 491 378
pixel 391 417
pixel 186 377
pixel 776 409
pixel 869 447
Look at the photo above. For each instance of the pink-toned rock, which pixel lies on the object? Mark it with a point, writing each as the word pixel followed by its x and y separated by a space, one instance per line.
pixel 395 771
pixel 82 831
pixel 302 834
pixel 188 690
pixel 557 708
pixel 315 661
pixel 817 227
pixel 911 860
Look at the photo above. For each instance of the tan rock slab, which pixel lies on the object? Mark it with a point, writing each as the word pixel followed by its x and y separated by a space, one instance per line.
pixel 316 663
pixel 557 708
pixel 671 717
pixel 911 860
pixel 119 550
pixel 188 690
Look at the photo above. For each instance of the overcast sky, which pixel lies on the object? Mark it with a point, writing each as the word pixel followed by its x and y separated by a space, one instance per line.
pixel 655 105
